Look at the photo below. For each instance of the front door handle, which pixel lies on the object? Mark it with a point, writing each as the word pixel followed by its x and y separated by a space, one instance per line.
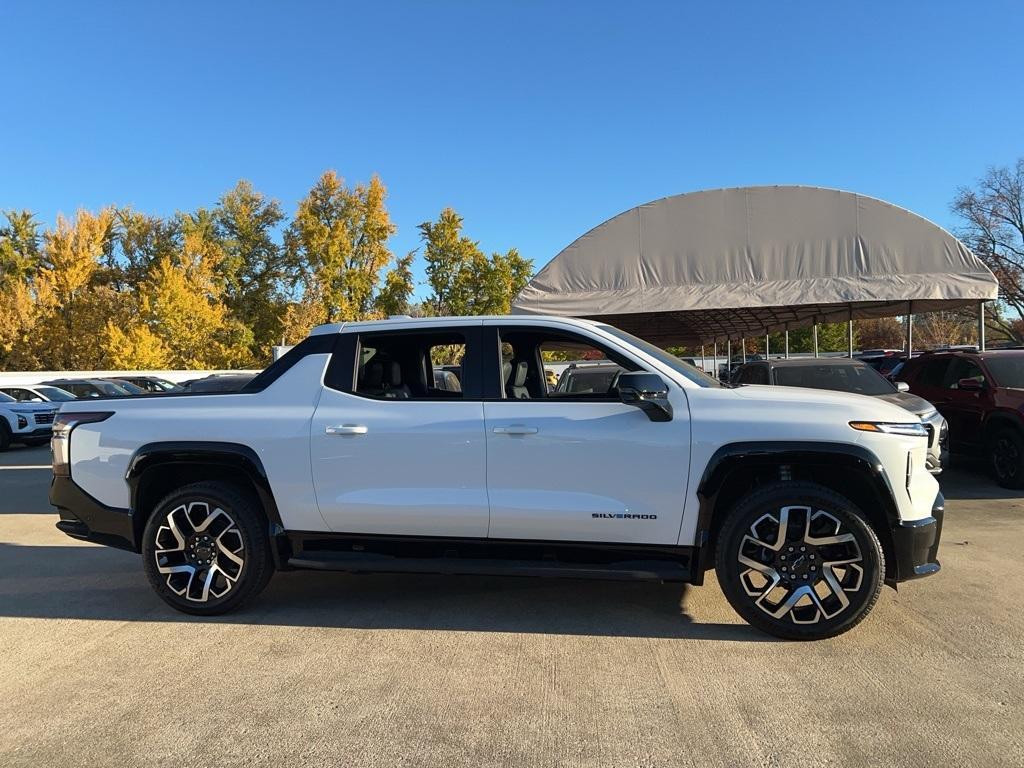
pixel 347 429
pixel 515 429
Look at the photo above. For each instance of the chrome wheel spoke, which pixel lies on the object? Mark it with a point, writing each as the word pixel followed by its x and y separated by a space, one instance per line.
pixel 800 564
pixel 200 551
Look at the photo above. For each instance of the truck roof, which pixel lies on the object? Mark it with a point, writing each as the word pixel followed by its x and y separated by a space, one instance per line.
pixel 404 321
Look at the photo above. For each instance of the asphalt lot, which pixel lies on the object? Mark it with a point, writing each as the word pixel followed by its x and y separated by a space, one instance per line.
pixel 336 670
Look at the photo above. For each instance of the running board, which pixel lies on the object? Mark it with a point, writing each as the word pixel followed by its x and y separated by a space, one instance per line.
pixel 362 562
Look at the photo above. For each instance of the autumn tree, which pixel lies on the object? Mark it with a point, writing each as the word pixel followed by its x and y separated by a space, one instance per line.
pixel 880 333
pixel 394 295
pixel 254 268
pixel 463 280
pixel 992 216
pixel 337 242
pixel 19 247
pixel 74 303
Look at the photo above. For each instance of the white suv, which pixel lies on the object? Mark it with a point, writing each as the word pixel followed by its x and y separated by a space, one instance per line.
pixel 345 455
pixel 25 423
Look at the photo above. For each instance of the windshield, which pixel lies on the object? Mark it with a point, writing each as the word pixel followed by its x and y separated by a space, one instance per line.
pixel 1008 370
pixel 691 372
pixel 859 379
pixel 55 394
pixel 110 388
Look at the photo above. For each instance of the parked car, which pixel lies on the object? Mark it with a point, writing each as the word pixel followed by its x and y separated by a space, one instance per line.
pixel 887 364
pixel 127 386
pixel 726 370
pixel 25 423
pixel 37 393
pixel 981 394
pixel 85 388
pixel 223 382
pixel 588 378
pixel 853 376
pixel 152 384
pixel 340 456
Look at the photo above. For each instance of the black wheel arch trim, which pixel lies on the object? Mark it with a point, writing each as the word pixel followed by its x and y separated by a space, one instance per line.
pixel 732 456
pixel 152 456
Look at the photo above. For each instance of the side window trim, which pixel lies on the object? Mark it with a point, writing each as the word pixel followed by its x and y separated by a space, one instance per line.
pixel 494 390
pixel 343 369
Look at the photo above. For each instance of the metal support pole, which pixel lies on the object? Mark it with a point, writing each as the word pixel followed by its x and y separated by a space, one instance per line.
pixel 766 346
pixel 981 326
pixel 728 359
pixel 814 334
pixel 786 337
pixel 910 331
pixel 743 343
pixel 703 362
pixel 849 335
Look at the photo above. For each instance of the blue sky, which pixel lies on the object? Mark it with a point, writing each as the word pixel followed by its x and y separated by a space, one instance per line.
pixel 536 121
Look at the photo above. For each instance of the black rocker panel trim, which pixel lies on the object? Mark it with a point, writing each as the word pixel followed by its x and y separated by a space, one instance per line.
pixel 436 554
pixel 744 455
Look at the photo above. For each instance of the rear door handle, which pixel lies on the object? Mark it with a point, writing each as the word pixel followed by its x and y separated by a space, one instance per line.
pixel 515 429
pixel 347 429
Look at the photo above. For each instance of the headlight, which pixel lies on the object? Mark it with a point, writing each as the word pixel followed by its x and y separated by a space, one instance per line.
pixel 60 441
pixel 911 429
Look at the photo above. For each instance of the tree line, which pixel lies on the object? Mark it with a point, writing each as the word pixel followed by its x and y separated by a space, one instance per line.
pixel 218 287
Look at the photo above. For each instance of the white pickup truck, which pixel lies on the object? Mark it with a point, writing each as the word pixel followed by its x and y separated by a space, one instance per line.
pixel 345 455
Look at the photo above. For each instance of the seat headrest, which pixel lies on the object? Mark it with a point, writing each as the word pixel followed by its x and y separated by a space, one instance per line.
pixel 373 374
pixel 393 374
pixel 521 370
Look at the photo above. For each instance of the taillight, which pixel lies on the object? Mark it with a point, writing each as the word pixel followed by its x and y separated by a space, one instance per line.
pixel 60 442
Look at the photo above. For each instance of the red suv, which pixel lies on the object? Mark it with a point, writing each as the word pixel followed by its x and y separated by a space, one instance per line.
pixel 981 394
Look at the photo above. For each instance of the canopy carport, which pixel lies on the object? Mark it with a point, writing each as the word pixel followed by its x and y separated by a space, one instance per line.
pixel 722 264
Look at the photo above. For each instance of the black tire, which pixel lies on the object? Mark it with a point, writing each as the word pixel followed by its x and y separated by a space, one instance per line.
pixel 5 435
pixel 826 613
pixel 1006 457
pixel 231 526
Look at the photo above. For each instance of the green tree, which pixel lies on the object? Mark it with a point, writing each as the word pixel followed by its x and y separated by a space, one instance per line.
pixel 253 268
pixel 338 242
pixel 139 241
pixel 463 280
pixel 19 247
pixel 393 297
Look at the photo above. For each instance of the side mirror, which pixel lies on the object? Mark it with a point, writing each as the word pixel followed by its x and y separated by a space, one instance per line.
pixel 647 392
pixel 970 385
pixel 902 386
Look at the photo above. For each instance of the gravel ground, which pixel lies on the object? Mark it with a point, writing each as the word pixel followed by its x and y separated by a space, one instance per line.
pixel 336 670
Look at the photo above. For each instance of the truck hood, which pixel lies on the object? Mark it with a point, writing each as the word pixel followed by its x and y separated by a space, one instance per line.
pixel 852 407
pixel 916 405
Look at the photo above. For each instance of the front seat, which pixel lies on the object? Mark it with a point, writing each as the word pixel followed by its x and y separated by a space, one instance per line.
pixel 519 390
pixel 392 385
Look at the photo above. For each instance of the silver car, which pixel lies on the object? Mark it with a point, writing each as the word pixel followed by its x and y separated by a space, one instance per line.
pixel 841 374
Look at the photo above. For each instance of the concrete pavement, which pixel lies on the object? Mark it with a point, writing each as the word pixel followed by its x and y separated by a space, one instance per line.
pixel 336 670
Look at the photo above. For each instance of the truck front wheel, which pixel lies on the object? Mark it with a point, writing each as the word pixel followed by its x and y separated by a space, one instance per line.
pixel 799 561
pixel 206 548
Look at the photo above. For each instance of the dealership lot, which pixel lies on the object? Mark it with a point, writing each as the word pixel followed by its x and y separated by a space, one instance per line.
pixel 329 669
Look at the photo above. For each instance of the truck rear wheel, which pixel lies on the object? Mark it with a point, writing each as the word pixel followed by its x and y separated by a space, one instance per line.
pixel 206 549
pixel 799 561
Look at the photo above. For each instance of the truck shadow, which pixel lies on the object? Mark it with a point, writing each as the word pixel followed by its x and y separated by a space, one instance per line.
pixel 96 583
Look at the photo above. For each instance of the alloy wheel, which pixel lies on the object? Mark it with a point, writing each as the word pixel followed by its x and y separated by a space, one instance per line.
pixel 800 563
pixel 1006 457
pixel 200 551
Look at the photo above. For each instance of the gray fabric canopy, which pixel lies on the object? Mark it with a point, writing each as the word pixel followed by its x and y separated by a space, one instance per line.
pixel 737 262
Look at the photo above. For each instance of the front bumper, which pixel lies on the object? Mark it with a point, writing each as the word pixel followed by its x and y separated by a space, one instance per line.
pixel 83 517
pixel 916 544
pixel 32 434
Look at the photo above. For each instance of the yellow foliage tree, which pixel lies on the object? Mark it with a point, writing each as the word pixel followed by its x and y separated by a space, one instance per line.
pixel 73 304
pixel 18 316
pixel 135 348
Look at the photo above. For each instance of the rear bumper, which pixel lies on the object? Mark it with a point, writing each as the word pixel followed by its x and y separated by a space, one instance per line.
pixel 916 544
pixel 83 517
